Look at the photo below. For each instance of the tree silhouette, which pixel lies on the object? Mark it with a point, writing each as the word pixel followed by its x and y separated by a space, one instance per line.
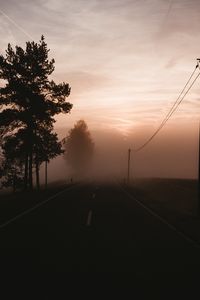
pixel 12 164
pixel 47 147
pixel 29 102
pixel 79 147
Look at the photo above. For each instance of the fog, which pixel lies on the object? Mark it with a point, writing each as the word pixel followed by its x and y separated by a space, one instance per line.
pixel 172 154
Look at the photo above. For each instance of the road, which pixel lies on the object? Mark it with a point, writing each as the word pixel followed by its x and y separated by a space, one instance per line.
pixel 97 228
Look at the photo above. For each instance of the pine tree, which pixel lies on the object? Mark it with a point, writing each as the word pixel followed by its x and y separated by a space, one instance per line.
pixel 29 101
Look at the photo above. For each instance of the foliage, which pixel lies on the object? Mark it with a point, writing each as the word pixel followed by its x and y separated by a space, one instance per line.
pixel 79 147
pixel 29 102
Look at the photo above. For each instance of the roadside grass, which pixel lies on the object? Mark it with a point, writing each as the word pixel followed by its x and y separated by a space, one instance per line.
pixel 12 204
pixel 176 200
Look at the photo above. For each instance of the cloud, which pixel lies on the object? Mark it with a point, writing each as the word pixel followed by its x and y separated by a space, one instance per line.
pixel 84 82
pixel 125 60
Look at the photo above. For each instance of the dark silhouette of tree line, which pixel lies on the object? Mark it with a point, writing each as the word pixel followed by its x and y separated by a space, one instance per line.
pixel 29 102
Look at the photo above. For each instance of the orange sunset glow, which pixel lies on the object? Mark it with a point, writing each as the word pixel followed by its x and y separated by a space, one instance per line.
pixel 126 62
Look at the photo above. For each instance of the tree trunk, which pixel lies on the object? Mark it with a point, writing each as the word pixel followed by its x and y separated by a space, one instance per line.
pixel 46 174
pixel 26 173
pixel 30 170
pixel 14 182
pixel 37 174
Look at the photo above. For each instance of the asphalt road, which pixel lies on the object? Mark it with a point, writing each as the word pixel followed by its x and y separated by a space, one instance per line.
pixel 97 228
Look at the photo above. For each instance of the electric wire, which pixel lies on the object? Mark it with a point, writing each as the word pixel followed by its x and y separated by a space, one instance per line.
pixel 173 108
pixel 182 91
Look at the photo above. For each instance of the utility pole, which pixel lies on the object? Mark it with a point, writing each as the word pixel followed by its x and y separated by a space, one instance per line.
pixel 128 171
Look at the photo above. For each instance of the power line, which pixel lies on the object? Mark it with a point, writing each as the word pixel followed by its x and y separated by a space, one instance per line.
pixel 180 94
pixel 173 108
pixel 169 115
pixel 183 97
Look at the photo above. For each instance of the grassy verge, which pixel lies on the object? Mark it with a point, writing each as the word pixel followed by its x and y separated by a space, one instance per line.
pixel 176 200
pixel 12 204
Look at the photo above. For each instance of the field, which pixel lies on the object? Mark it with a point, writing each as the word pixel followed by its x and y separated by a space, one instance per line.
pixel 176 200
pixel 12 204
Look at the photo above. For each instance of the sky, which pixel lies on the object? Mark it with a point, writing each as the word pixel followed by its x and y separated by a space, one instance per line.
pixel 126 61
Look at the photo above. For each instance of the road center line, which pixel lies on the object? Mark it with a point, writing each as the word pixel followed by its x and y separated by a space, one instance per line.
pixel 89 218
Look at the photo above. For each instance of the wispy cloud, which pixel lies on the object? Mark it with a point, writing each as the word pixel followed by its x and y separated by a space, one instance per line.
pixel 125 60
pixel 16 24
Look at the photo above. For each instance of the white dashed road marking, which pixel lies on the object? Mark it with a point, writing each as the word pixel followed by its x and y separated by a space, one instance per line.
pixel 89 218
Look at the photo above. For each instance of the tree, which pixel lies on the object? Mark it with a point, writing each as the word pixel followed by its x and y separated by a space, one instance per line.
pixel 79 147
pixel 47 147
pixel 29 101
pixel 12 164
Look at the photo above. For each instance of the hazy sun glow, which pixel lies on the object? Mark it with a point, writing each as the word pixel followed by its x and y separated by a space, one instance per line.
pixel 126 61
